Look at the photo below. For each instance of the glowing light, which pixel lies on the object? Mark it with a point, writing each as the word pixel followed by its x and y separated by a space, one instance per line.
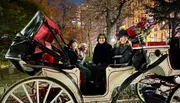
pixel 163 22
pixel 113 40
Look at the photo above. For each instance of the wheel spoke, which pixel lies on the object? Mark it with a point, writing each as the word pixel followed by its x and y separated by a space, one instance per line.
pixel 175 96
pixel 27 94
pixel 37 93
pixel 69 102
pixel 16 98
pixel 45 98
pixel 60 92
pixel 43 90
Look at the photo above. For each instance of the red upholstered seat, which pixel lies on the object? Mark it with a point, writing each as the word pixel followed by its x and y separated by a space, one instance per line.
pixel 152 44
pixel 44 34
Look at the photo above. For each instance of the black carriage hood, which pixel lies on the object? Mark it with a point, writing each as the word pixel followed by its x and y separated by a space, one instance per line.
pixel 22 41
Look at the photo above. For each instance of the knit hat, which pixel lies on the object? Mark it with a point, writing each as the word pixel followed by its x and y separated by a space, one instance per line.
pixel 72 41
pixel 122 33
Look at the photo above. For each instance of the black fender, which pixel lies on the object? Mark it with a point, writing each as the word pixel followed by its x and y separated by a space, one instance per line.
pixel 143 69
pixel 20 68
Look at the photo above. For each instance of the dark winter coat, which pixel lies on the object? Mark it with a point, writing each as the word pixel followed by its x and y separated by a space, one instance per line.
pixel 73 55
pixel 102 54
pixel 75 59
pixel 125 50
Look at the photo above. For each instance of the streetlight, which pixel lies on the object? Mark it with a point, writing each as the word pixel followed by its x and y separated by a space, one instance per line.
pixel 163 22
pixel 113 40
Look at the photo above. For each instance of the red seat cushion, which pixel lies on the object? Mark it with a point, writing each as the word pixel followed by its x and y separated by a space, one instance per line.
pixel 48 58
pixel 151 44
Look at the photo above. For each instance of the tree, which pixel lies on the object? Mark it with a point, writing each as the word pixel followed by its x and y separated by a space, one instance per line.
pixel 110 11
pixel 104 16
pixel 62 13
pixel 14 15
pixel 167 11
pixel 67 14
pixel 87 25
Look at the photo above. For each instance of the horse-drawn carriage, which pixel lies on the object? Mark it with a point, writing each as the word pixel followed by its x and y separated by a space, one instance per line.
pixel 31 51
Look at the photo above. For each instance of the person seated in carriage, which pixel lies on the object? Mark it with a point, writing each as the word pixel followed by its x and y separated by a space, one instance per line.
pixel 82 52
pixel 102 51
pixel 77 60
pixel 101 58
pixel 122 49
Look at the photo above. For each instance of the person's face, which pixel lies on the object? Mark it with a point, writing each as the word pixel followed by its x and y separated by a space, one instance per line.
pixel 85 48
pixel 101 39
pixel 123 39
pixel 74 45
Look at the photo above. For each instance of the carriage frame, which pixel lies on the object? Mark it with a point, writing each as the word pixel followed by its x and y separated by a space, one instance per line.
pixel 67 77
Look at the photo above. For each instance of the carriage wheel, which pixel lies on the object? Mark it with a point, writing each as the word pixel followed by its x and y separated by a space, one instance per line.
pixel 174 96
pixel 144 82
pixel 139 92
pixel 149 80
pixel 38 90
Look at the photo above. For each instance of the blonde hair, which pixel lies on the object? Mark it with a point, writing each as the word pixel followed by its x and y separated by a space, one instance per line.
pixel 82 46
pixel 128 42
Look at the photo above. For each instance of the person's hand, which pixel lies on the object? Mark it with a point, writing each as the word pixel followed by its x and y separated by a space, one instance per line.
pixel 136 39
pixel 80 58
